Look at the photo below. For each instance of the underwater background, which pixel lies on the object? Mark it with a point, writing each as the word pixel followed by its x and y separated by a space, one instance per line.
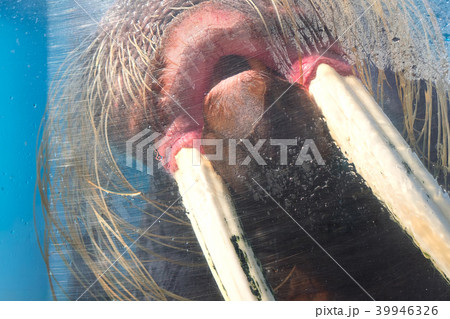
pixel 23 90
pixel 24 83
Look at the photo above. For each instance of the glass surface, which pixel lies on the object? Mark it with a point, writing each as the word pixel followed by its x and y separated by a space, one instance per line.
pixel 36 37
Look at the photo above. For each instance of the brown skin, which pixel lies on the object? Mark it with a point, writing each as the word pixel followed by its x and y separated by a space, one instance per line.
pixel 331 202
pixel 257 105
pixel 234 110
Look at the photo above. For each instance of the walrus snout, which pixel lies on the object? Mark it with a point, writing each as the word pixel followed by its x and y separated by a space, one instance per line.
pixel 193 45
pixel 241 71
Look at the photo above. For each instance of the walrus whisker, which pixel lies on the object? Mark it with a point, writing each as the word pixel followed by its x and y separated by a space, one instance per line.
pixel 110 88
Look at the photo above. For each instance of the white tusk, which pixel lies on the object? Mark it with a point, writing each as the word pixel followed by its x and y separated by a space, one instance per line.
pixel 386 162
pixel 217 228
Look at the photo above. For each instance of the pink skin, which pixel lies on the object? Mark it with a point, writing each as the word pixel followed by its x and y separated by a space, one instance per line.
pixel 192 48
pixel 310 64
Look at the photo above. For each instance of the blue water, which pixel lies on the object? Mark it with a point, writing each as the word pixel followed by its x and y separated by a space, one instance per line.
pixel 23 87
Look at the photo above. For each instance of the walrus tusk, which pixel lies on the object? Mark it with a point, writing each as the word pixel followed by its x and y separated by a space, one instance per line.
pixel 217 228
pixel 386 162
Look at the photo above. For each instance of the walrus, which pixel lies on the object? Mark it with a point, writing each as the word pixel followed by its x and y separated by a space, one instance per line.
pixel 229 70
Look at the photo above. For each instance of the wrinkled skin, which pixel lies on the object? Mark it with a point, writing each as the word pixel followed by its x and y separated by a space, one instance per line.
pixel 239 94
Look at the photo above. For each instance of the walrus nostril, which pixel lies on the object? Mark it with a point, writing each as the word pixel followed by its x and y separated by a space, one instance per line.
pixel 228 66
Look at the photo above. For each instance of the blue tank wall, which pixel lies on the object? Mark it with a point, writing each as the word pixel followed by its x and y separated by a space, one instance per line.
pixel 23 86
